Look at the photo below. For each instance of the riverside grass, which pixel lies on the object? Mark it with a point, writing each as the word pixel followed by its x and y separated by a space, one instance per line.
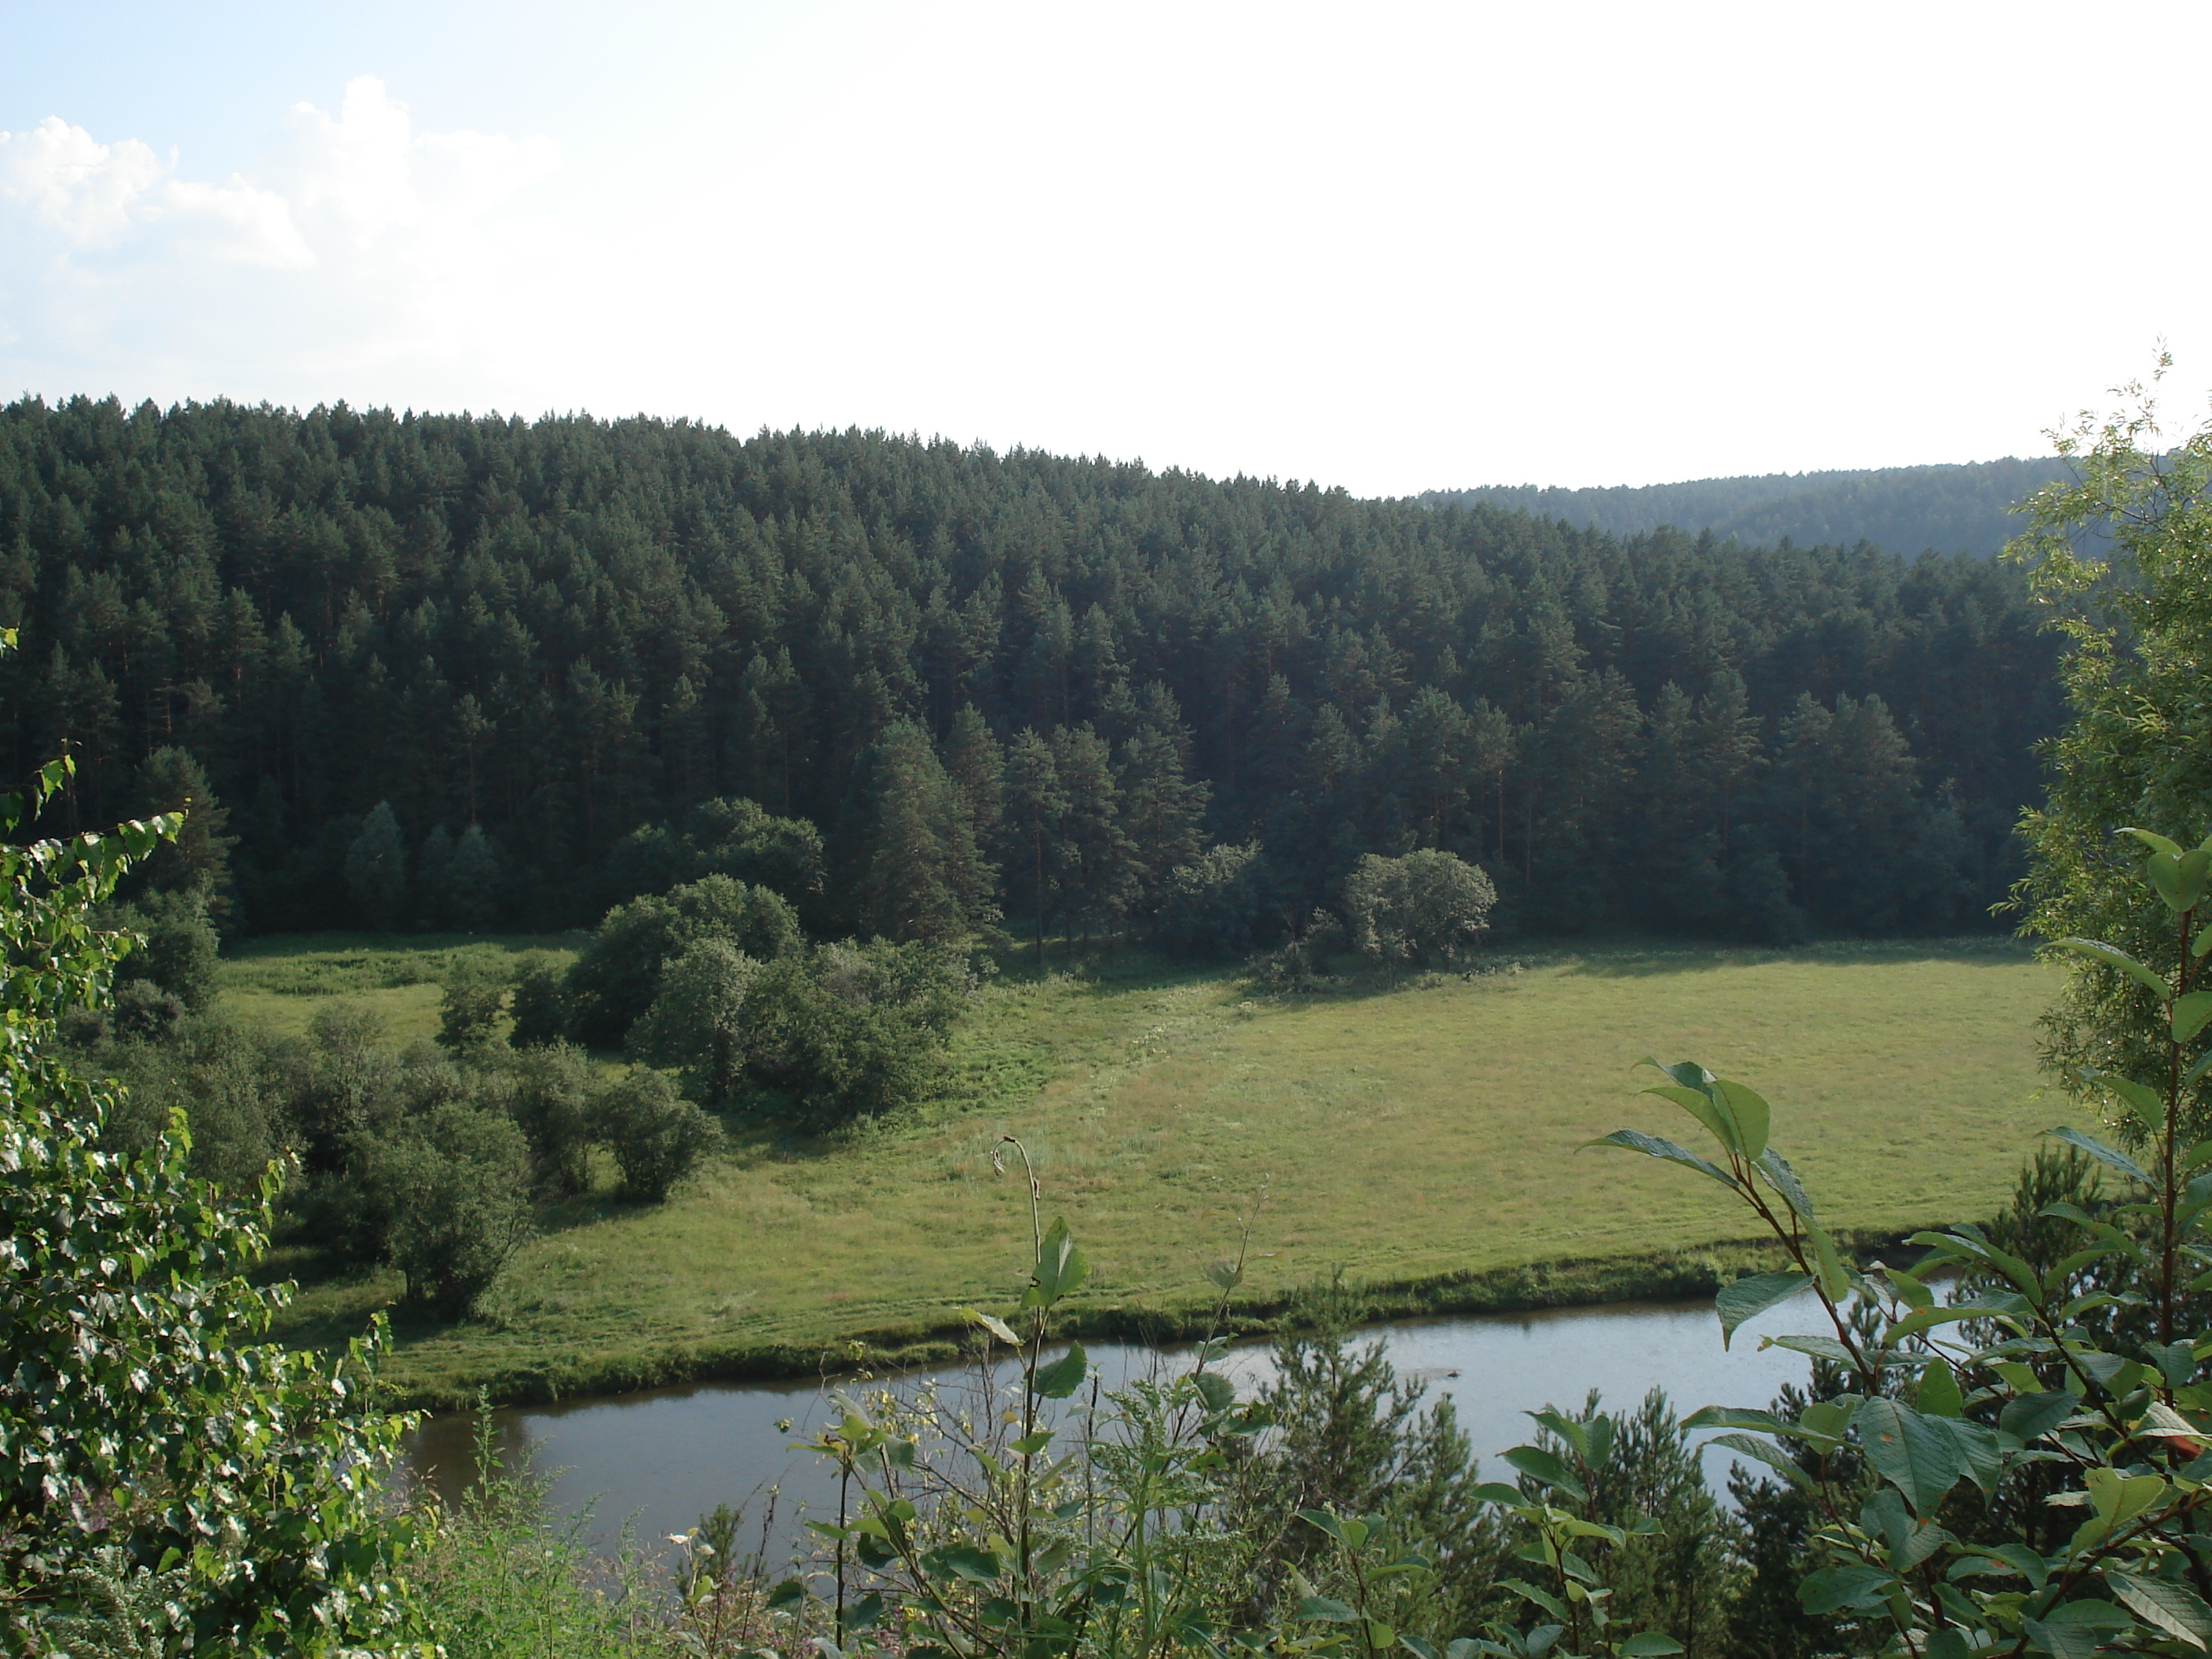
pixel 1412 1140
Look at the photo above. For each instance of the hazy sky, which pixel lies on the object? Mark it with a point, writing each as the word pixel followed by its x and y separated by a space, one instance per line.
pixel 1388 247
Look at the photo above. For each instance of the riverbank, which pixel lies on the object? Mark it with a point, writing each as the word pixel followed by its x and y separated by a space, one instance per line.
pixel 1531 1288
pixel 1419 1141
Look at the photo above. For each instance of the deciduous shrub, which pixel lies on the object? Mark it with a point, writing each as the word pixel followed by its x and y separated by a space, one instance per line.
pixel 1223 904
pixel 475 996
pixel 854 1030
pixel 1427 907
pixel 656 1135
pixel 615 979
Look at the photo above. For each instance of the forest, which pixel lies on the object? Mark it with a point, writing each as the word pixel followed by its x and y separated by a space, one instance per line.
pixel 446 670
pixel 1966 508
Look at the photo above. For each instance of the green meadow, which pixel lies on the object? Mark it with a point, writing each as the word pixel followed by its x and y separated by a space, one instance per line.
pixel 1419 1141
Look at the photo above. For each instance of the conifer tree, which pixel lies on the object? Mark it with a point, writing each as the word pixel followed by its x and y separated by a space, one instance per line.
pixel 376 867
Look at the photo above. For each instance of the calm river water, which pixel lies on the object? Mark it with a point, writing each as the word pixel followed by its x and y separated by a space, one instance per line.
pixel 657 1461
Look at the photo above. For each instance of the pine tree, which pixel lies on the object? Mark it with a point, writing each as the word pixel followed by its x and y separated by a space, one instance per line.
pixel 376 868
pixel 922 875
pixel 1035 806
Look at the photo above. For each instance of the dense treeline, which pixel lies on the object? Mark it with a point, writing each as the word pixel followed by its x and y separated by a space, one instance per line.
pixel 453 670
pixel 1964 509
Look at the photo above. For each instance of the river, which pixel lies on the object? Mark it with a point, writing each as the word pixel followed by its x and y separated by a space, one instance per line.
pixel 656 1461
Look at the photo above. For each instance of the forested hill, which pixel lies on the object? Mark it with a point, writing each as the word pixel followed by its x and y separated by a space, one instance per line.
pixel 1954 509
pixel 1015 681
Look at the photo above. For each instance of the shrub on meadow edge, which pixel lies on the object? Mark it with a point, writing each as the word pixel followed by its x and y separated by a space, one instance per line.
pixel 553 1098
pixel 539 1003
pixel 475 996
pixel 454 1184
pixel 1223 904
pixel 656 1135
pixel 614 980
pixel 1428 906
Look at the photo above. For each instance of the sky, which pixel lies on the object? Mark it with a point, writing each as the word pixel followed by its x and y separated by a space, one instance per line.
pixel 1386 247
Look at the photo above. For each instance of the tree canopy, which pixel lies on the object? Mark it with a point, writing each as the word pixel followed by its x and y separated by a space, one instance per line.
pixel 393 646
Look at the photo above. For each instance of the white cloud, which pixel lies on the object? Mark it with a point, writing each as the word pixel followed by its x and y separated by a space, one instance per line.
pixel 91 197
pixel 359 242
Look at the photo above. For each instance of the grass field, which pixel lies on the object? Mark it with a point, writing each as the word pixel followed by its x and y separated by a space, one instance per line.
pixel 1421 1139
pixel 280 981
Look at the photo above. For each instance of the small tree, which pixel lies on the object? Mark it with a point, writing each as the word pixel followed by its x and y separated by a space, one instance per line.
pixel 1427 907
pixel 540 1004
pixel 475 997
pixel 555 1105
pixel 2122 554
pixel 472 881
pixel 615 978
pixel 656 1135
pixel 376 867
pixel 455 1184
pixel 698 1024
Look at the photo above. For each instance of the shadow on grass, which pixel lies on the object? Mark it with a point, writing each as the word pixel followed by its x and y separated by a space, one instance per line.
pixel 1647 959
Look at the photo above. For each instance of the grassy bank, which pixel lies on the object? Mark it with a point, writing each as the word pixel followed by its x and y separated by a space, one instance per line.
pixel 1420 1140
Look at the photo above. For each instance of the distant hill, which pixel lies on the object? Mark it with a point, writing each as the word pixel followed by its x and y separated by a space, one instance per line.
pixel 1956 510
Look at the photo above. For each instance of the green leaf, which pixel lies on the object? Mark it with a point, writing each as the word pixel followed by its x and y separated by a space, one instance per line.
pixel 1217 1391
pixel 1835 1278
pixel 2101 1153
pixel 2120 1497
pixel 2064 1638
pixel 2164 870
pixel 1064 1376
pixel 1751 1113
pixel 2204 1065
pixel 2152 839
pixel 1938 1394
pixel 1648 1644
pixel 2146 1102
pixel 2113 958
pixel 1909 1291
pixel 1820 1347
pixel 1030 1444
pixel 1575 1434
pixel 2202 944
pixel 2031 1417
pixel 976 1566
pixel 1061 1267
pixel 1767 1453
pixel 1783 1179
pixel 1327 1609
pixel 1834 1588
pixel 1548 1468
pixel 1916 1455
pixel 1323 1521
pixel 1226 1275
pixel 2171 1606
pixel 998 1328
pixel 1735 1416
pixel 1747 1297
pixel 1694 1089
pixel 2191 1014
pixel 1528 1592
pixel 1654 1146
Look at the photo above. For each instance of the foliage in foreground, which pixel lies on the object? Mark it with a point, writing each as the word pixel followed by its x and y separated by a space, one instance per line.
pixel 2123 555
pixel 2073 1385
pixel 167 1480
